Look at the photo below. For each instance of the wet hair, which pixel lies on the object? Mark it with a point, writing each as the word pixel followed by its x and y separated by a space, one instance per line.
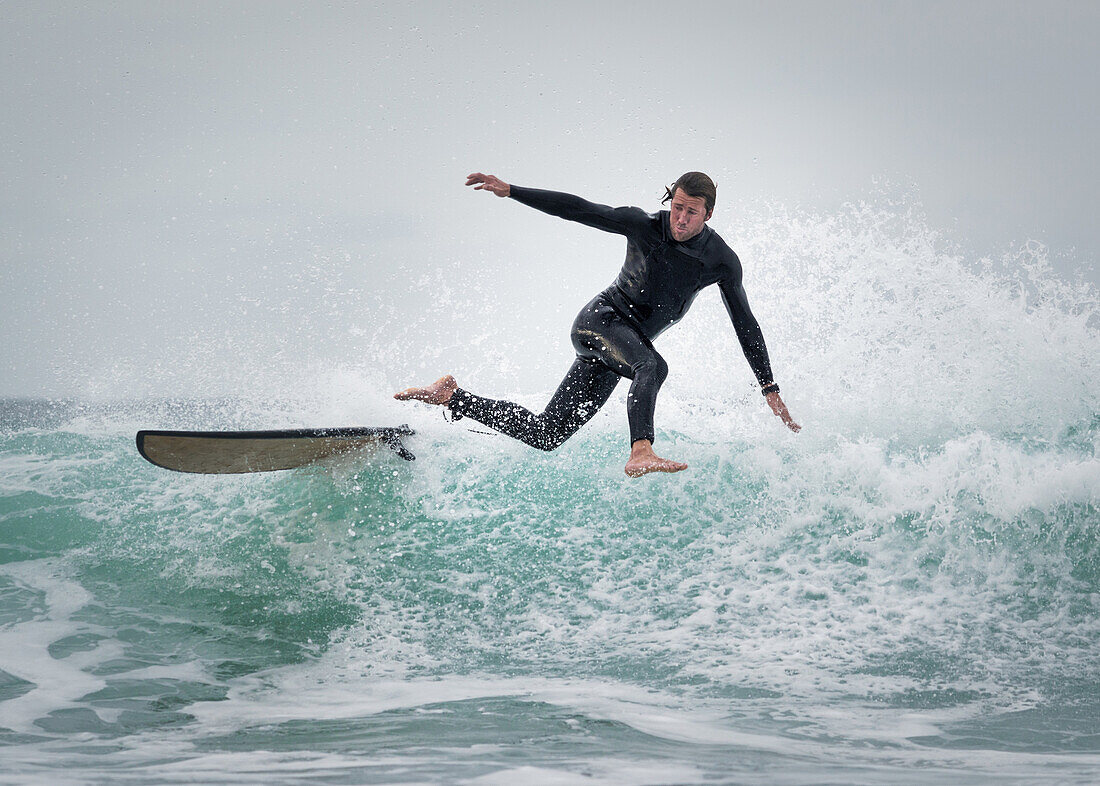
pixel 694 184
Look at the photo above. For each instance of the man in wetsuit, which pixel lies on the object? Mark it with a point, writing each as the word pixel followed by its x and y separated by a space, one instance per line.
pixel 670 256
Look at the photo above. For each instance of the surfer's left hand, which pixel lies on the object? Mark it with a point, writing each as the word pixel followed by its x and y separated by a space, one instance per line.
pixel 780 410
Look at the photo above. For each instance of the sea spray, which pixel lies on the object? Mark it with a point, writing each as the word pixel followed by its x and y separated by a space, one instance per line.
pixel 912 581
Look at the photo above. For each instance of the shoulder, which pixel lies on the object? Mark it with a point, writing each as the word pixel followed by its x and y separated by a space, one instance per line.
pixel 637 214
pixel 642 226
pixel 640 218
pixel 719 253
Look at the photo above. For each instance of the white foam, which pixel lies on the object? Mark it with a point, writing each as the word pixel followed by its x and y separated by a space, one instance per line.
pixel 24 646
pixel 915 537
pixel 327 691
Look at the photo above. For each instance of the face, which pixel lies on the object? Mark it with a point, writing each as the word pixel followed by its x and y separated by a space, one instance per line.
pixel 686 216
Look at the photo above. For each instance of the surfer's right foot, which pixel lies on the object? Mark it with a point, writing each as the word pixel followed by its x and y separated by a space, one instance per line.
pixel 439 392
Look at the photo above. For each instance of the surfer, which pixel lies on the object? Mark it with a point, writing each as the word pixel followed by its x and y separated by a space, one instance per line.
pixel 670 256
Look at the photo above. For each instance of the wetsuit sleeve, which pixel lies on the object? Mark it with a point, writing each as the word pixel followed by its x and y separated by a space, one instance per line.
pixel 748 329
pixel 620 220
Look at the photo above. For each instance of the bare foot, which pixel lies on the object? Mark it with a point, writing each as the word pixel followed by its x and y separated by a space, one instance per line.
pixel 643 461
pixel 439 392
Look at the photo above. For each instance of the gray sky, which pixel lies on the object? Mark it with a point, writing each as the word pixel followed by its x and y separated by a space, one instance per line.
pixel 212 189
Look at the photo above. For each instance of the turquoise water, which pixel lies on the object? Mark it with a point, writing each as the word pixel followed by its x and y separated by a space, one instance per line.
pixel 906 592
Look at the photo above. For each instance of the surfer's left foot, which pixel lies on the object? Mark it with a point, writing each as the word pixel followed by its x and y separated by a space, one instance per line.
pixel 439 392
pixel 643 461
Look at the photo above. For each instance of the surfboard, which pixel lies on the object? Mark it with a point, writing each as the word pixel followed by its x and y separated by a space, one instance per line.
pixel 232 452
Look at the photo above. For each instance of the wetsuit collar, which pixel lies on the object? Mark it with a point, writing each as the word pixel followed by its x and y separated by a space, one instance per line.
pixel 693 247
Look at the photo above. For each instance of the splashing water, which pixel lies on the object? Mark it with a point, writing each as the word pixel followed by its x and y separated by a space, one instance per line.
pixel 906 591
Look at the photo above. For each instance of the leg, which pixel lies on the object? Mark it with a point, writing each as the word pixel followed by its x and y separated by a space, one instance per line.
pixel 580 395
pixel 602 333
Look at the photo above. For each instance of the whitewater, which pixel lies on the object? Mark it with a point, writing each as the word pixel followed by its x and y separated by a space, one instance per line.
pixel 906 592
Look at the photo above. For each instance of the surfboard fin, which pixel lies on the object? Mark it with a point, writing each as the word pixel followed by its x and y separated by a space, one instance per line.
pixel 393 441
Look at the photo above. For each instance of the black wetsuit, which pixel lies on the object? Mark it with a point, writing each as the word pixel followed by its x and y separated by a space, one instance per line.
pixel 613 334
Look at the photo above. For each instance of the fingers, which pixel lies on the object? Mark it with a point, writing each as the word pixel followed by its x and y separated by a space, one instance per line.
pixel 780 410
pixel 491 183
pixel 788 421
pixel 411 394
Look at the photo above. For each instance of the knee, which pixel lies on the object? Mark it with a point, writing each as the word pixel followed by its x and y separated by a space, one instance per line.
pixel 550 444
pixel 549 441
pixel 553 434
pixel 653 369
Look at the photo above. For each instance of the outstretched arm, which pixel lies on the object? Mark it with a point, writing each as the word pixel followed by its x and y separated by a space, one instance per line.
pixel 752 343
pixel 620 220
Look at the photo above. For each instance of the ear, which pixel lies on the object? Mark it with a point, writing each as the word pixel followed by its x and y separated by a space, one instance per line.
pixel 709 214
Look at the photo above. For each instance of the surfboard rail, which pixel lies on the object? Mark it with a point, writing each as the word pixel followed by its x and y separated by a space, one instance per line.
pixel 235 452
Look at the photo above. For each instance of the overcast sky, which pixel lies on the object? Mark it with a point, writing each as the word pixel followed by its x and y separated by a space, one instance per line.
pixel 188 184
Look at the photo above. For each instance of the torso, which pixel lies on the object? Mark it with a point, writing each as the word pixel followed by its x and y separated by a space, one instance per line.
pixel 661 277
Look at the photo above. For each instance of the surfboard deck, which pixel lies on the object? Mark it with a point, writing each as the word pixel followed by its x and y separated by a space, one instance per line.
pixel 233 452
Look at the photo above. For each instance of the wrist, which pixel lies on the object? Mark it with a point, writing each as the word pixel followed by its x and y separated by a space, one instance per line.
pixel 769 388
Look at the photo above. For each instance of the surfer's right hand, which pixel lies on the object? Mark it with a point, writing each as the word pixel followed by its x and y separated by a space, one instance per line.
pixel 492 183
